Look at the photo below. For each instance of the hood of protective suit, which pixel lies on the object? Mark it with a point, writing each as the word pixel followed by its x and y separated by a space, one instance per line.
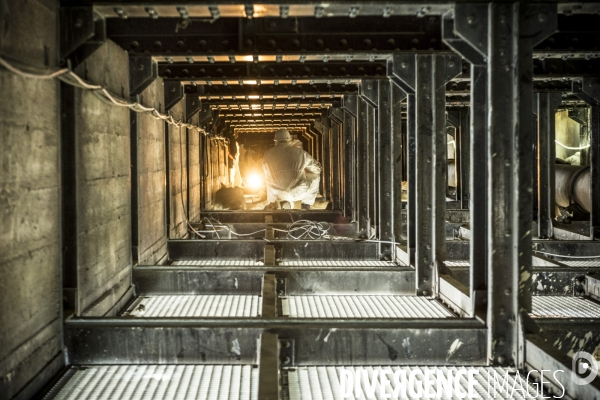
pixel 284 166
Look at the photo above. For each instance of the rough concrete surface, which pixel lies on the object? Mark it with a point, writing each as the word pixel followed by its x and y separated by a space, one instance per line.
pixel 194 171
pixel 103 184
pixel 151 163
pixel 30 255
pixel 178 201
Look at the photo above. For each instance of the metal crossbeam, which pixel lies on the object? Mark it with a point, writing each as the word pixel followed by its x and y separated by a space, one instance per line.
pixel 289 70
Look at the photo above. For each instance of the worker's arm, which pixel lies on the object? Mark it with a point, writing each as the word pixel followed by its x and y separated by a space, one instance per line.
pixel 311 165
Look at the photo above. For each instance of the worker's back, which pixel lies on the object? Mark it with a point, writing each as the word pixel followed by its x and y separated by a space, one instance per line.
pixel 284 166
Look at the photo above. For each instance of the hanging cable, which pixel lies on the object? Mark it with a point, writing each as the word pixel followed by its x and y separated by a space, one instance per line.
pixel 69 77
pixel 572 148
pixel 565 256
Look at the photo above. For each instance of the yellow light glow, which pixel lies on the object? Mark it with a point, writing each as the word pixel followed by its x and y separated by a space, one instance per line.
pixel 254 181
pixel 254 96
pixel 252 82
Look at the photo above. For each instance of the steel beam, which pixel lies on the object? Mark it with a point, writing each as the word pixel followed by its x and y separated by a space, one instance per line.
pixel 546 160
pixel 362 167
pixel 252 250
pixel 317 341
pixel 397 96
pixel 368 91
pixel 350 104
pixel 401 71
pixel 310 70
pixel 469 39
pixel 512 31
pixel 276 35
pixel 386 169
pixel 431 74
pixel 283 91
pixel 337 117
pixel 589 91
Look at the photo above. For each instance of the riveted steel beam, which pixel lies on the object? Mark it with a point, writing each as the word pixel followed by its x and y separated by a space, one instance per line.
pixel 362 168
pixel 398 150
pixel 143 70
pixel 387 192
pixel 350 105
pixel 546 160
pixel 166 36
pixel 270 70
pixel 466 30
pixel 513 30
pixel 425 76
pixel 401 71
pixel 337 117
pixel 173 94
pixel 282 90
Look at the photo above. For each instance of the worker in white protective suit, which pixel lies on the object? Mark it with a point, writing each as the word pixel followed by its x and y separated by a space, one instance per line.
pixel 291 174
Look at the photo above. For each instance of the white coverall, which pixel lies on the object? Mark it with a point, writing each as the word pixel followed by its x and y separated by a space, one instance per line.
pixel 291 174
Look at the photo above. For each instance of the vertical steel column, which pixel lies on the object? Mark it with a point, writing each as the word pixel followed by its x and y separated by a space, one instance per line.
pixel 464 157
pixel 386 170
pixel 350 104
pixel 512 31
pixel 397 96
pixel 362 178
pixel 478 203
pixel 465 31
pixel 337 116
pixel 460 120
pixel 367 90
pixel 546 156
pixel 431 74
pixel 372 111
pixel 327 156
pixel 401 71
pixel 589 91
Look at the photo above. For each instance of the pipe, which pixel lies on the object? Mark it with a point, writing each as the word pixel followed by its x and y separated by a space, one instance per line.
pixel 573 185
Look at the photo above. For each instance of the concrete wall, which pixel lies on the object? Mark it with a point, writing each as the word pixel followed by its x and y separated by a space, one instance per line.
pixel 102 179
pixel 194 171
pixel 30 248
pixel 178 196
pixel 216 170
pixel 151 242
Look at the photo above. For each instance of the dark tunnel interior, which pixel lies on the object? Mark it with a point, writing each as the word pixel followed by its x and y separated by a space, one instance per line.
pixel 301 200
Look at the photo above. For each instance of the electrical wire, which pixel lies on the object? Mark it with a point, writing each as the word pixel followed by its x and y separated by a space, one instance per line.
pixel 565 256
pixel 571 148
pixel 69 77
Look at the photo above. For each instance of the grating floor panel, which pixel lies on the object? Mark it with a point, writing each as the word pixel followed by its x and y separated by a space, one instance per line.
pixel 217 263
pixel 197 306
pixel 384 306
pixel 564 307
pixel 154 382
pixel 457 263
pixel 325 263
pixel 323 383
pixel 582 263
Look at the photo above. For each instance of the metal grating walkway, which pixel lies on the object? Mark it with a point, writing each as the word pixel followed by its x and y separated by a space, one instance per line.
pixel 458 263
pixel 155 382
pixel 326 263
pixel 564 307
pixel 323 383
pixel 197 306
pixel 384 306
pixel 582 263
pixel 219 263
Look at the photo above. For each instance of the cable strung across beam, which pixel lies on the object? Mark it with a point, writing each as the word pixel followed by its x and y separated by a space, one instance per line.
pixel 69 77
